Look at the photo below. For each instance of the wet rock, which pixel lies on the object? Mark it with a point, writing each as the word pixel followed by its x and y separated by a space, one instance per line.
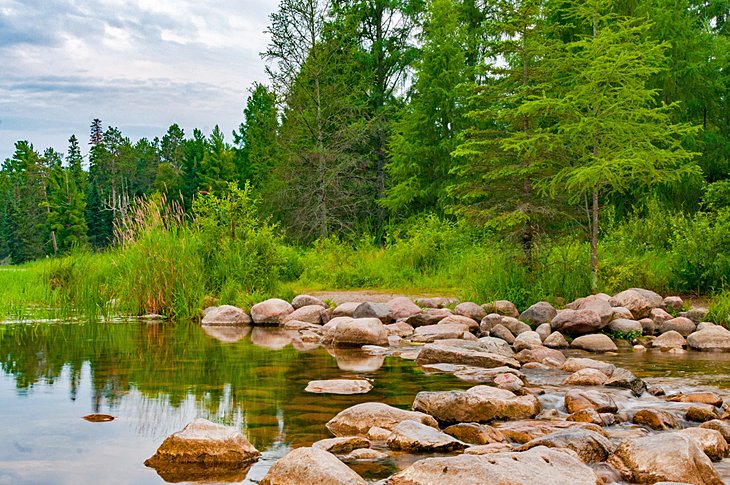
pixel 451 354
pixel 441 331
pixel 429 317
pixel 339 386
pixel 475 433
pixel 597 342
pixel 711 339
pixel 574 364
pixel 526 430
pixel 364 454
pixel 669 340
pixel 510 382
pixel 700 414
pixel 626 379
pixel 98 418
pixel 309 314
pixel 225 315
pixel 586 377
pixel 588 415
pixel 203 442
pixel 635 301
pixel 501 332
pixel 477 404
pixel 300 301
pixel 711 442
pixel 400 329
pixel 623 325
pixel 670 457
pixel 577 400
pixel 310 465
pixel 701 397
pixel 590 446
pixel 227 334
pixel 342 445
pixel 416 437
pixel 402 308
pixel 358 332
pixel 373 310
pixel 527 340
pixel 656 419
pixel 576 322
pixel 503 307
pixel 544 355
pixel 544 330
pixel 718 425
pixel 684 326
pixel 270 312
pixel 357 420
pixel 541 465
pixel 556 341
pixel 345 309
pixel 672 303
pixel 470 310
pixel 471 324
pixel 539 313
pixel 488 449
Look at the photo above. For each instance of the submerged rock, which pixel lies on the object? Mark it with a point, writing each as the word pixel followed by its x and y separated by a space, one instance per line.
pixel 342 445
pixel 313 466
pixel 474 356
pixel 339 386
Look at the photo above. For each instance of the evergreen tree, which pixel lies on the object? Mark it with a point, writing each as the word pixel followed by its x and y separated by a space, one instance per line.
pixel 217 167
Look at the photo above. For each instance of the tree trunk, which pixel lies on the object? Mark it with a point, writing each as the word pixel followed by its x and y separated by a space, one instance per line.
pixel 594 242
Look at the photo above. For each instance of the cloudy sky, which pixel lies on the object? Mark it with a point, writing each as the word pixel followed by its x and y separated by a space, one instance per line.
pixel 140 65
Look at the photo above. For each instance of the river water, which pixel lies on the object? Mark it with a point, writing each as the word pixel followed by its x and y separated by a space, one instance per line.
pixel 156 377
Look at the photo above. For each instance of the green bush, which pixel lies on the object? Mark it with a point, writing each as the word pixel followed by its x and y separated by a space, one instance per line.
pixel 701 254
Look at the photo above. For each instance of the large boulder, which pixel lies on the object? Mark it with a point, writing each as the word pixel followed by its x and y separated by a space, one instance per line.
pixel 711 441
pixel 306 300
pixel 625 326
pixel 669 340
pixel 475 405
pixel 475 433
pixel 586 377
pixel 503 307
pixel 356 332
pixel 374 310
pixel 541 465
pixel 657 419
pixel 402 307
pixel 539 313
pixel 345 309
pixel 431 316
pixel 225 315
pixel 597 342
pixel 577 322
pixel 471 310
pixel 310 465
pixel 715 338
pixel 596 303
pixel 441 331
pixel 357 420
pixel 635 301
pixel 590 446
pixel 204 442
pixel 682 325
pixel 271 312
pixel 413 436
pixel 447 353
pixel 669 457
pixel 527 340
pixel 310 314
pixel 577 400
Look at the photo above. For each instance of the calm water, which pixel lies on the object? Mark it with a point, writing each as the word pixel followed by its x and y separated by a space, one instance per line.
pixel 155 378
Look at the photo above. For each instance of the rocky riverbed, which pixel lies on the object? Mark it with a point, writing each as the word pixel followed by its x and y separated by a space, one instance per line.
pixel 546 405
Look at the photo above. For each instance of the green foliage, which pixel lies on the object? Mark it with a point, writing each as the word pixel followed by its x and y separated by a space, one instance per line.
pixel 719 311
pixel 702 253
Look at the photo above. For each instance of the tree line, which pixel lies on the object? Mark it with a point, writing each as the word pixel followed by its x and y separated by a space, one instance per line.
pixel 527 117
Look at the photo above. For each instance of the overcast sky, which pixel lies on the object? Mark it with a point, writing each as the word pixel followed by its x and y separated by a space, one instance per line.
pixel 140 65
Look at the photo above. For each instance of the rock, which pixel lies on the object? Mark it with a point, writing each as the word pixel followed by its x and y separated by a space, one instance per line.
pixel 441 331
pixel 300 301
pixel 509 382
pixel 345 309
pixel 711 442
pixel 339 386
pixel 496 346
pixel 634 301
pixel 590 446
pixel 401 329
pixel 588 415
pixel 470 310
pixel 669 340
pixel 648 327
pixel 203 442
pixel 711 339
pixel 541 465
pixel 309 314
pixel 500 331
pixel 577 400
pixel 472 374
pixel 574 364
pixel 225 315
pixel 539 313
pixel 623 325
pixel 556 341
pixel 342 445
pixel 594 343
pixel 310 465
pixel 429 317
pixel 376 433
pixel 720 425
pixel 705 325
pixel 672 303
pixel 586 377
pixel 357 420
pixel 488 449
pixel 527 340
pixel 402 308
pixel 596 303
pixel 438 302
pixel 227 334
pixel 515 326
pixel 621 312
pixel 701 397
pixel 475 433
pixel 477 404
pixel 700 414
pixel 683 326
pixel 624 378
pixel 670 457
pixel 358 332
pixel 544 355
pixel 489 322
pixel 471 324
pixel 697 315
pixel 657 419
pixel 577 322
pixel 356 360
pixel 416 437
pixel 659 315
pixel 271 338
pixel 450 354
pixel 98 418
pixel 529 429
pixel 654 298
pixel 373 310
pixel 503 307
pixel 361 455
pixel 543 330
pixel 270 312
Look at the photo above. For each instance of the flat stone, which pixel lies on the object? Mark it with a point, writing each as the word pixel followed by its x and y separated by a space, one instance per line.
pixel 310 465
pixel 449 354
pixel 441 331
pixel 475 433
pixel 416 437
pixel 358 419
pixel 342 445
pixel 339 386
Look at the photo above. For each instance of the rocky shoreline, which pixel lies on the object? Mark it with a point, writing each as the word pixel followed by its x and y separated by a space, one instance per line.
pixel 542 408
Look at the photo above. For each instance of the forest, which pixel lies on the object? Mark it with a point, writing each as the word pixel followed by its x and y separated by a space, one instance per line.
pixel 534 149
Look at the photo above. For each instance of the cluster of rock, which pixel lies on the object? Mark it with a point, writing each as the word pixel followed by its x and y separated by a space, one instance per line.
pixel 508 428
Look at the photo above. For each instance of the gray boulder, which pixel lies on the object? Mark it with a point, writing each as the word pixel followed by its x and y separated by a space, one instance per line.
pixel 539 313
pixel 713 339
pixel 577 322
pixel 225 315
pixel 271 312
pixel 374 310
